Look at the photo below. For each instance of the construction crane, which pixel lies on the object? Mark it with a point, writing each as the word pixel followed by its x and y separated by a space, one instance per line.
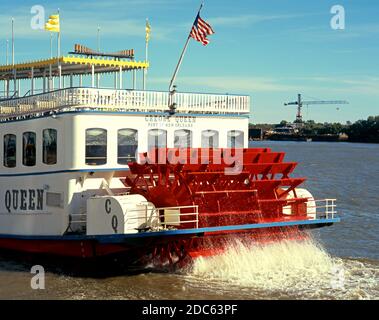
pixel 300 103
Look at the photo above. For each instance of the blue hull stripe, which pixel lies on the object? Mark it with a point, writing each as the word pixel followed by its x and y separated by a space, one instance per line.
pixel 119 238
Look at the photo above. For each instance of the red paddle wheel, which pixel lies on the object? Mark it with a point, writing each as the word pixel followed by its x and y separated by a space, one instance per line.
pixel 229 186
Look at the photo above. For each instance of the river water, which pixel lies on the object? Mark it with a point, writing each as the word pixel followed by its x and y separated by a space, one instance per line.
pixel 338 262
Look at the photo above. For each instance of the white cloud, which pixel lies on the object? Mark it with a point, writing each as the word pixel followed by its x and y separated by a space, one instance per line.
pixel 245 84
pixel 346 84
pixel 247 19
pixel 76 22
pixel 231 84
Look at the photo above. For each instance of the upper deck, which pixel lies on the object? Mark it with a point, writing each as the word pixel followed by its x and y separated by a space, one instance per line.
pixel 74 83
pixel 75 99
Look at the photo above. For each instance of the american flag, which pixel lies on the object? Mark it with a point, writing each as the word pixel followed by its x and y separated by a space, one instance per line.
pixel 200 30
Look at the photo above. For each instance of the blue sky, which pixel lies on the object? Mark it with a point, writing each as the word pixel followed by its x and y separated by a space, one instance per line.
pixel 270 50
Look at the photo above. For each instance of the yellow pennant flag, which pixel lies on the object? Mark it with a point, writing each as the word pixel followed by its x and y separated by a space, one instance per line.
pixel 148 30
pixel 52 24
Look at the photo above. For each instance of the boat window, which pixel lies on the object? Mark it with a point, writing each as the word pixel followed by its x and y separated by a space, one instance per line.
pixel 29 149
pixel 235 139
pixel 49 146
pixel 96 146
pixel 183 139
pixel 9 150
pixel 127 145
pixel 209 139
pixel 157 138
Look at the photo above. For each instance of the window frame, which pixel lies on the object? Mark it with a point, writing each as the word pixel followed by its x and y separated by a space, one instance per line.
pixel 217 135
pixel 120 157
pixel 234 137
pixel 5 151
pixel 25 161
pixel 149 147
pixel 44 155
pixel 86 157
pixel 189 138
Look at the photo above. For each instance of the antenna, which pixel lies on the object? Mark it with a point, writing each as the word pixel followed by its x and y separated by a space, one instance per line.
pixel 7 53
pixel 12 41
pixel 98 38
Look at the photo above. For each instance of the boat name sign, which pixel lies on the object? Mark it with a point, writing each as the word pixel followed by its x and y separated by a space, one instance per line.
pixel 169 121
pixel 31 200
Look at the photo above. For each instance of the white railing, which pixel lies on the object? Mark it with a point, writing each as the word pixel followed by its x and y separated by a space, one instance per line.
pixel 154 218
pixel 323 209
pixel 158 219
pixel 123 100
pixel 194 220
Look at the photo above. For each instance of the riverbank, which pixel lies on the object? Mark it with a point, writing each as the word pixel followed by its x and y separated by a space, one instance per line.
pixel 304 139
pixel 361 131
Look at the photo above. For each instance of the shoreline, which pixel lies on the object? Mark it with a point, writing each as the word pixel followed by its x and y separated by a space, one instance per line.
pixel 345 141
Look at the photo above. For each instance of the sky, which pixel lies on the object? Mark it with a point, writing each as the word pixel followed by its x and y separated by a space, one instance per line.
pixel 268 49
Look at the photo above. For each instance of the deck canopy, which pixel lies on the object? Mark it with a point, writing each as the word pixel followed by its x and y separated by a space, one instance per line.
pixel 70 65
pixel 65 68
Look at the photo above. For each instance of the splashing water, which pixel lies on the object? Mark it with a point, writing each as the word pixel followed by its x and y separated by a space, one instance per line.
pixel 287 269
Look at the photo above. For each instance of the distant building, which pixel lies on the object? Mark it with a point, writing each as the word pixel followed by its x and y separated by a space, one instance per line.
pixel 255 134
pixel 289 128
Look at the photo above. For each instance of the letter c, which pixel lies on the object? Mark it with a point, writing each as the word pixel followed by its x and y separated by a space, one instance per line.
pixel 108 208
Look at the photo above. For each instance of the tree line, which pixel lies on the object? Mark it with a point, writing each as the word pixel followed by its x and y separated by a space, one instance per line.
pixel 359 131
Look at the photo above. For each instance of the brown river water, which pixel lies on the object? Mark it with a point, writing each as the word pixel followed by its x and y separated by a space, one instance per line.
pixel 338 262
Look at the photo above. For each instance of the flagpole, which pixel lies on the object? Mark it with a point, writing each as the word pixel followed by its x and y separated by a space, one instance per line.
pixel 98 38
pixel 146 56
pixel 12 41
pixel 7 53
pixel 59 52
pixel 179 64
pixel 59 36
pixel 181 58
pixel 51 45
pixel 6 82
pixel 14 70
pixel 98 50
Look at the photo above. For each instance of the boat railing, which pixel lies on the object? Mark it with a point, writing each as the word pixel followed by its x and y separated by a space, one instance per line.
pixel 176 213
pixel 122 100
pixel 164 218
pixel 323 209
pixel 153 218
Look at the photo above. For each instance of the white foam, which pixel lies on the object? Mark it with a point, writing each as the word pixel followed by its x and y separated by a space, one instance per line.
pixel 297 269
